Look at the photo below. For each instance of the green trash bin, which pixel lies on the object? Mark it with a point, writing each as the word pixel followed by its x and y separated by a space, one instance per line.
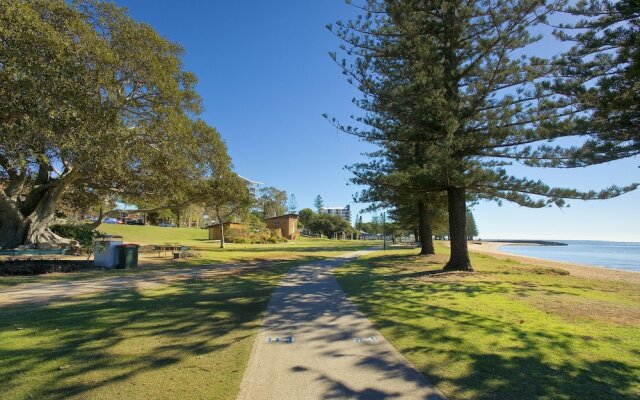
pixel 127 256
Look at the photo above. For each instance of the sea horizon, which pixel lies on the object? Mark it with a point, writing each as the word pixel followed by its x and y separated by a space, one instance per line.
pixel 598 253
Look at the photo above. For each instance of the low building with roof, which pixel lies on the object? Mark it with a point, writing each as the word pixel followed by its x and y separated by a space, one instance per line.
pixel 287 224
pixel 215 232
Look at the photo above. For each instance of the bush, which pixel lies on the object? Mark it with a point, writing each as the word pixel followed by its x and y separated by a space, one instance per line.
pixel 82 233
pixel 37 267
pixel 233 234
pixel 257 238
pixel 243 240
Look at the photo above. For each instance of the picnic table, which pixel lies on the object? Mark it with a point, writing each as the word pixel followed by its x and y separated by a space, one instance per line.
pixel 175 249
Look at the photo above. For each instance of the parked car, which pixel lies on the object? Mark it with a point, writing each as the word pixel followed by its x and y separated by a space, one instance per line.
pixel 135 222
pixel 110 221
pixel 166 225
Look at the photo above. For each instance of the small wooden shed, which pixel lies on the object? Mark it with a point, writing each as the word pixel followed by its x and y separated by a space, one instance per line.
pixel 215 233
pixel 288 225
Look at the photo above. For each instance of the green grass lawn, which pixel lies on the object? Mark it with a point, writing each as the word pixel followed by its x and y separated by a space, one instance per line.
pixel 188 339
pixel 209 251
pixel 185 340
pixel 507 331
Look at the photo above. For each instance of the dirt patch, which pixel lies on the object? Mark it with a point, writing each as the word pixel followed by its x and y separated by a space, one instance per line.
pixel 574 308
pixel 543 271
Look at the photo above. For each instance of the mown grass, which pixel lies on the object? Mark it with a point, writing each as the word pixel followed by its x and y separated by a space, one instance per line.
pixel 209 252
pixel 509 330
pixel 185 340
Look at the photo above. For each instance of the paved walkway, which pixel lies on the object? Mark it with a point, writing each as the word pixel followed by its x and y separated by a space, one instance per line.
pixel 336 352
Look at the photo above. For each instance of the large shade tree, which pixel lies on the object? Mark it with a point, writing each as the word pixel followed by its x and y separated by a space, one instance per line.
pixel 457 78
pixel 94 105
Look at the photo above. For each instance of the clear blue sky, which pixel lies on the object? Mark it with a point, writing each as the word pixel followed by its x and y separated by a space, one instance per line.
pixel 265 78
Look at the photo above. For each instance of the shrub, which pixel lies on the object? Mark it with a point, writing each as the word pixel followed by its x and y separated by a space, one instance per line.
pixel 82 233
pixel 233 234
pixel 258 238
pixel 276 233
pixel 37 267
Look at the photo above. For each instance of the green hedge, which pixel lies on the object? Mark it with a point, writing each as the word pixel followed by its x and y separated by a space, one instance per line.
pixel 82 233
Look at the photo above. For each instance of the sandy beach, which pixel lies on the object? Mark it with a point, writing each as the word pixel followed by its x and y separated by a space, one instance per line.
pixel 579 270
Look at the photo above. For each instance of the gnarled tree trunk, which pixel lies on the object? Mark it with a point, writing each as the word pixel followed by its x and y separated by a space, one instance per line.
pixel 29 222
pixel 459 259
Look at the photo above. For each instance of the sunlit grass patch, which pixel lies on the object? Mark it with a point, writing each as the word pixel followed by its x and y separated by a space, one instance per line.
pixel 185 340
pixel 510 330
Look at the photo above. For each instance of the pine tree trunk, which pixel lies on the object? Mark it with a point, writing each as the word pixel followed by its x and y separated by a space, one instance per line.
pixel 424 226
pixel 459 259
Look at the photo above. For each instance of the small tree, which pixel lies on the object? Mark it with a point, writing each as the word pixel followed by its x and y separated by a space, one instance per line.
pixel 305 216
pixel 292 207
pixel 472 228
pixel 229 197
pixel 318 203
pixel 329 224
pixel 272 202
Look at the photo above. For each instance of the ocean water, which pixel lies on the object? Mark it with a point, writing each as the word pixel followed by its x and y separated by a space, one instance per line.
pixel 618 255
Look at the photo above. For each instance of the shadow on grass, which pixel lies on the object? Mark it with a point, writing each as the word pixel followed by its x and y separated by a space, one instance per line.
pixel 427 322
pixel 153 338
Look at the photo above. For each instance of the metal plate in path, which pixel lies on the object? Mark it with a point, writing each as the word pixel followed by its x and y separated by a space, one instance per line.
pixel 285 339
pixel 370 339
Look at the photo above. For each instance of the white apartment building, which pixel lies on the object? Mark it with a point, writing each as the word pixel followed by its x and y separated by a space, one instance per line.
pixel 252 185
pixel 344 212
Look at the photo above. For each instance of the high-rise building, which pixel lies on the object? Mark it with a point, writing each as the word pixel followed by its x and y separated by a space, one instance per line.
pixel 344 212
pixel 252 185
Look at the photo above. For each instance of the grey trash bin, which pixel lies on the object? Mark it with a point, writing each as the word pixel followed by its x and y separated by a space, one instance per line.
pixel 105 251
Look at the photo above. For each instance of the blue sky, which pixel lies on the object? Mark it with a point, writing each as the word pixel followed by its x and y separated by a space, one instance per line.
pixel 266 79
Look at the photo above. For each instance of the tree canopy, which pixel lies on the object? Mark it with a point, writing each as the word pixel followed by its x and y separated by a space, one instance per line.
pixel 95 106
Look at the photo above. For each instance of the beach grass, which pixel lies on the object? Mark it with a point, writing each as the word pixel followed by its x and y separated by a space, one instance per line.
pixel 510 330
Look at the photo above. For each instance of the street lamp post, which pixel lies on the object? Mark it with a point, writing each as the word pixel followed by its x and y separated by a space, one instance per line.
pixel 384 234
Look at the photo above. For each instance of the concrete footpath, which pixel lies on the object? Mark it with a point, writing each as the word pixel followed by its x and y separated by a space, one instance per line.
pixel 315 344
